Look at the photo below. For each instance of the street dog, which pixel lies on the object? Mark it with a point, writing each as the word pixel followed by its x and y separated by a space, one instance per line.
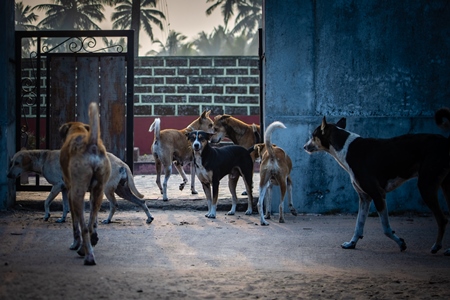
pixel 275 169
pixel 46 163
pixel 240 133
pixel 378 166
pixel 85 167
pixel 170 145
pixel 212 164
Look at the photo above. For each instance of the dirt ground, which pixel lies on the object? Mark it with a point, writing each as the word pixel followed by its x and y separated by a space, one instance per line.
pixel 183 255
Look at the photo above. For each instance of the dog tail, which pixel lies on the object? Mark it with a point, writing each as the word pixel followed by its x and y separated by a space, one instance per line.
pixel 156 127
pixel 440 115
pixel 94 124
pixel 131 184
pixel 256 133
pixel 268 134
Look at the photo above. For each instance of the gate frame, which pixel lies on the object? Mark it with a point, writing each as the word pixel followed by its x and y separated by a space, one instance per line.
pixel 69 35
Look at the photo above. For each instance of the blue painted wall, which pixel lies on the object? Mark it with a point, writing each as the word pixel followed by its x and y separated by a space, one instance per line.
pixel 384 65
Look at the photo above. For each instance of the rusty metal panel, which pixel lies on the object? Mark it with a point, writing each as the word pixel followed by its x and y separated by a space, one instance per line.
pixel 87 86
pixel 62 96
pixel 112 104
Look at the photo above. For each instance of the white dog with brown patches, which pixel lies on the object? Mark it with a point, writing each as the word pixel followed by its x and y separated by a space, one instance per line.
pixel 275 169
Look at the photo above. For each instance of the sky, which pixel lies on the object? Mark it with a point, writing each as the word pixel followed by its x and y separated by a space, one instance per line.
pixel 185 16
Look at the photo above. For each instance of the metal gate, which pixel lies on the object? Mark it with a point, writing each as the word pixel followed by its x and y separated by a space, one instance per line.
pixel 62 73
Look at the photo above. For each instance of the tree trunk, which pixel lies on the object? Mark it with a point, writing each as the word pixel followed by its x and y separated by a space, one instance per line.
pixel 135 22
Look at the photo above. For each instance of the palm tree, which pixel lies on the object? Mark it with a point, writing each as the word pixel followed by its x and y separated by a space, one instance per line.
pixel 71 14
pixel 249 17
pixel 227 6
pixel 220 42
pixel 23 19
pixel 174 45
pixel 124 18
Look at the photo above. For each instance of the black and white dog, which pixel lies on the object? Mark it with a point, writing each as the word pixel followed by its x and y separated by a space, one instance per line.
pixel 212 164
pixel 378 166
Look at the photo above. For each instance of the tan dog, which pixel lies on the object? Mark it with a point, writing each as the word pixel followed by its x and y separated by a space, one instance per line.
pixel 46 163
pixel 170 145
pixel 275 169
pixel 240 133
pixel 85 167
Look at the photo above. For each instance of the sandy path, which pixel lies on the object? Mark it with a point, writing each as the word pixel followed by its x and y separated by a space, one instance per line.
pixel 182 254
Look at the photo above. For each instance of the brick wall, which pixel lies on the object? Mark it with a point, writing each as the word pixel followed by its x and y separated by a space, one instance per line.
pixel 188 85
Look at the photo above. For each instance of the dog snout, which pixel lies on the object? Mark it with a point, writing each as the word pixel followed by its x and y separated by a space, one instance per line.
pixel 196 146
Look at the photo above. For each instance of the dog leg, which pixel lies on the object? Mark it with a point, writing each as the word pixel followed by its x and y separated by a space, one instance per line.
pixel 445 185
pixel 268 201
pixel 109 193
pixel 248 180
pixel 429 194
pixel 262 197
pixel 281 206
pixel 158 167
pixel 232 183
pixel 215 196
pixel 167 173
pixel 124 192
pixel 65 201
pixel 289 190
pixel 363 211
pixel 384 217
pixel 90 237
pixel 207 190
pixel 193 190
pixel 180 170
pixel 76 210
pixel 53 193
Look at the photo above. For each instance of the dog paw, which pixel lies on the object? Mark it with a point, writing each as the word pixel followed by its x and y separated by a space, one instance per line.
pixel 447 252
pixel 89 260
pixel 231 213
pixel 435 248
pixel 75 245
pixel 249 212
pixel 348 245
pixel 264 223
pixel 94 239
pixel 194 192
pixel 294 211
pixel 244 193
pixel 106 221
pixel 81 252
pixel 402 245
pixel 182 186
pixel 281 221
pixel 46 218
pixel 211 216
pixel 60 220
pixel 149 220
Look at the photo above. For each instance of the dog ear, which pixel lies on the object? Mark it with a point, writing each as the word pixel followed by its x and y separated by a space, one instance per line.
pixel 323 125
pixel 342 123
pixel 63 131
pixel 205 114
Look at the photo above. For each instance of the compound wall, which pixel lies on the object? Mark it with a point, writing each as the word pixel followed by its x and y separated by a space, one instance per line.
pixel 384 65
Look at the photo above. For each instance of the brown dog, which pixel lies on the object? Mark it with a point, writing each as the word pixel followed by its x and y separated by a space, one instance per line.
pixel 170 145
pixel 86 167
pixel 240 133
pixel 276 167
pixel 46 163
